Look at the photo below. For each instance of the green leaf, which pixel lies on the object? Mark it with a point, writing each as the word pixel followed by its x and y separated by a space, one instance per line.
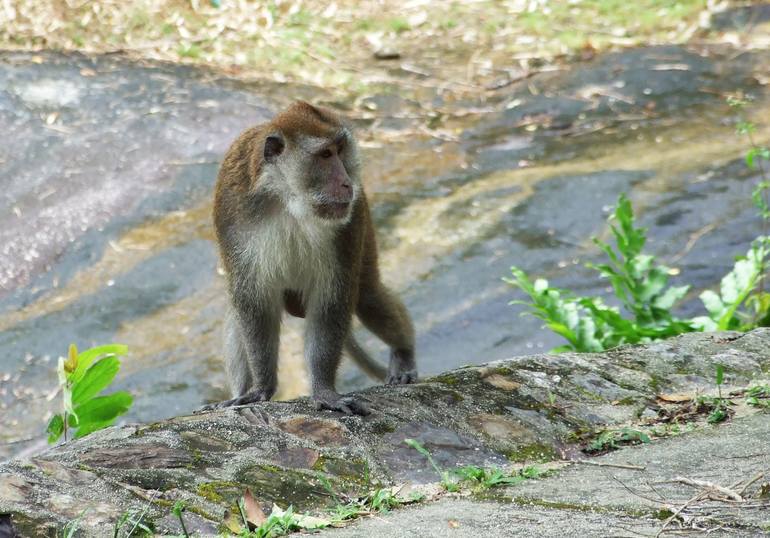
pixel 713 304
pixel 656 280
pixel 55 428
pixel 96 379
pixel 87 357
pixel 101 411
pixel 704 323
pixel 735 281
pixel 670 297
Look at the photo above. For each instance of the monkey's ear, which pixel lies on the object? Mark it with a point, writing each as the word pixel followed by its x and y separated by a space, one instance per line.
pixel 273 147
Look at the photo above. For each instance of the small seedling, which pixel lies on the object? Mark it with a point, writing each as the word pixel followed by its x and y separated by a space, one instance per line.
pixel 379 500
pixel 447 482
pixel 82 376
pixel 71 528
pixel 719 411
pixel 177 510
pixel 133 521
pixel 613 439
pixel 487 478
pixel 758 396
pixel 481 477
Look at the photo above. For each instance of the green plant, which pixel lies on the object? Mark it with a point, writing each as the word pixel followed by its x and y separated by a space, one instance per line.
pixel 447 482
pixel 486 478
pixel 482 477
pixel 758 300
pixel 737 288
pixel 82 376
pixel 612 439
pixel 378 500
pixel 71 528
pixel 281 522
pixel 134 521
pixel 177 510
pixel 719 411
pixel 641 285
pixel 758 396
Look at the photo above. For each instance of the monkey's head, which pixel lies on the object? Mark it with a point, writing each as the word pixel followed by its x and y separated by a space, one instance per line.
pixel 310 160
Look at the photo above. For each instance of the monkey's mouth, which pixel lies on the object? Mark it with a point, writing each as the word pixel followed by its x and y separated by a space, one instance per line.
pixel 332 210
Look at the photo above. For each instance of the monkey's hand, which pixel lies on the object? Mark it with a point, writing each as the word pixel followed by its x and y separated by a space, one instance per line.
pixel 253 396
pixel 350 405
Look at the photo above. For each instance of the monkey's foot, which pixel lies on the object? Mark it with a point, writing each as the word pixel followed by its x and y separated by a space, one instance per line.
pixel 349 405
pixel 401 378
pixel 253 396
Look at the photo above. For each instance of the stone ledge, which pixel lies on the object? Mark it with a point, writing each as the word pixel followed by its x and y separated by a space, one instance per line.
pixel 529 408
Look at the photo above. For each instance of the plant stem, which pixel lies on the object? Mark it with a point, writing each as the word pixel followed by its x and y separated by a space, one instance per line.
pixel 764 178
pixel 184 529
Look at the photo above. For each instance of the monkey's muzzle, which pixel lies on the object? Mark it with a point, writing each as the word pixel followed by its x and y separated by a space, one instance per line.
pixel 333 210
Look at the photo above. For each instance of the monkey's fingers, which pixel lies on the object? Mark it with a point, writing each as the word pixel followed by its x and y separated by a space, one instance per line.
pixel 402 378
pixel 344 404
pixel 250 397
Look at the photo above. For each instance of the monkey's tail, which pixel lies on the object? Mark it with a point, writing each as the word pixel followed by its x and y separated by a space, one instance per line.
pixel 359 355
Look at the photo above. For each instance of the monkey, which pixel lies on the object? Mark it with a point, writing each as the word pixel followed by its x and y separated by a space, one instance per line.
pixel 295 233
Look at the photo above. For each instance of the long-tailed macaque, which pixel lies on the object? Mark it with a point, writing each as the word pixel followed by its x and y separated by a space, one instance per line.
pixel 295 233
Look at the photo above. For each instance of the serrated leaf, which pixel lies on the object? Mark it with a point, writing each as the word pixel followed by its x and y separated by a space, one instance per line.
pixel 541 285
pixel 670 297
pixel 736 281
pixel 642 263
pixel 713 304
pixel 705 324
pixel 55 428
pixel 88 357
pixel 654 283
pixel 97 378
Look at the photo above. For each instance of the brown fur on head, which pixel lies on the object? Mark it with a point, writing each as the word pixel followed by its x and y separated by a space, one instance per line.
pixel 307 159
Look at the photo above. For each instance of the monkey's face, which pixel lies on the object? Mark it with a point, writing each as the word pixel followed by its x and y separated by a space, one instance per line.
pixel 320 174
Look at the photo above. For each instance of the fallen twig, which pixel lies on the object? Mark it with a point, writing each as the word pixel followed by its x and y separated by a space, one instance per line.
pixel 750 482
pixel 727 492
pixel 604 464
pixel 678 511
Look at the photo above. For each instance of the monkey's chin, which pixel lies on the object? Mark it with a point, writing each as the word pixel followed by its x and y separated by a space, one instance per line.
pixel 333 210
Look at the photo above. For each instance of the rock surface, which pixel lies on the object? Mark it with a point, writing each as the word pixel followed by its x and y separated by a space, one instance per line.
pixel 536 408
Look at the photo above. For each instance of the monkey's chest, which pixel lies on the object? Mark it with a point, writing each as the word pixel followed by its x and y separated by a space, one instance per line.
pixel 285 258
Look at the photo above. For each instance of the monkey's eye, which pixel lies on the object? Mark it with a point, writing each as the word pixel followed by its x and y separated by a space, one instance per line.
pixel 325 154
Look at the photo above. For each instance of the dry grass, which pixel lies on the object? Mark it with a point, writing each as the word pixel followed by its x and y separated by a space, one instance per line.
pixel 461 46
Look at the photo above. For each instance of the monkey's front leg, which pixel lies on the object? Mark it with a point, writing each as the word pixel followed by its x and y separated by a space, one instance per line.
pixel 327 328
pixel 251 350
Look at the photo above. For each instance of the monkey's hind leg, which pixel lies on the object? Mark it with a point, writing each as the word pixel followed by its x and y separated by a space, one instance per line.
pixel 383 313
